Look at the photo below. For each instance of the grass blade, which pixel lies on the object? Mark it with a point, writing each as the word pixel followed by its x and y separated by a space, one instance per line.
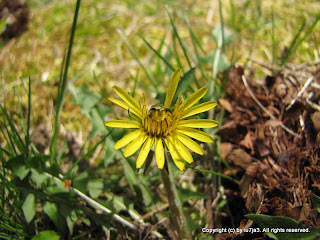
pixel 14 136
pixel 62 85
pixel 157 53
pixel 133 53
pixel 196 43
pixel 221 43
pixel 309 31
pixel 290 51
pixel 28 121
pixel 179 39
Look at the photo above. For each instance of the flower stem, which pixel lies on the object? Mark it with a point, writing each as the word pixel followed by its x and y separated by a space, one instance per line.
pixel 178 217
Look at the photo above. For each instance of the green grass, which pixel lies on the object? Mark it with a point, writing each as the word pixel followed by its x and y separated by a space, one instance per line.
pixel 136 46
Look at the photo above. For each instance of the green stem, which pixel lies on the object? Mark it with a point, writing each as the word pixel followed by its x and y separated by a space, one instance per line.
pixel 178 217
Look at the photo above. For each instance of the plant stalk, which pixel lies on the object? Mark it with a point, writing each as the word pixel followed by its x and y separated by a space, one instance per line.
pixel 178 217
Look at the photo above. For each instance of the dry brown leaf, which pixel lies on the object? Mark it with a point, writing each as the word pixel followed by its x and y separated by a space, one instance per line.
pixel 240 158
pixel 226 105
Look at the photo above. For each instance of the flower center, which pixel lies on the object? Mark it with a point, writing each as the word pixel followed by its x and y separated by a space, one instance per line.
pixel 158 121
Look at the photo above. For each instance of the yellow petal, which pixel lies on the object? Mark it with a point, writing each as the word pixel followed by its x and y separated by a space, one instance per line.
pixel 196 134
pixel 195 97
pixel 135 145
pixel 189 143
pixel 174 154
pixel 144 152
pixel 183 151
pixel 159 153
pixel 133 104
pixel 198 123
pixel 178 151
pixel 125 106
pixel 122 124
pixel 199 109
pixel 127 139
pixel 172 88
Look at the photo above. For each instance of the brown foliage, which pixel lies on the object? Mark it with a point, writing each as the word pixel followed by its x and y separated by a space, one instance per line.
pixel 273 140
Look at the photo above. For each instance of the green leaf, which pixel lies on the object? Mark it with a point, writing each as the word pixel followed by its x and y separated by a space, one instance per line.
pixel 38 178
pixel 52 211
pixel 316 202
pixel 45 235
pixel 157 53
pixel 217 34
pixel 118 203
pixel 80 181
pixel 18 166
pixel 29 207
pixel 187 194
pixel 284 228
pixel 95 187
pixel 70 215
pixel 9 237
pixel 184 83
pixel 3 23
pixel 97 123
pixel 86 98
pixel 223 63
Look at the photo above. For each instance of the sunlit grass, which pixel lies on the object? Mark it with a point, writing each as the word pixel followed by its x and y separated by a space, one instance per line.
pixel 98 47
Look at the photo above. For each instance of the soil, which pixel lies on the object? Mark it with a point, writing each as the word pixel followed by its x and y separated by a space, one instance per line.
pixel 16 14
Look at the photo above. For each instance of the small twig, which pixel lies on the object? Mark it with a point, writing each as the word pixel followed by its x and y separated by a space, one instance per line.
pixel 96 204
pixel 308 64
pixel 266 65
pixel 102 208
pixel 303 89
pixel 315 85
pixel 312 104
pixel 264 109
pixel 152 212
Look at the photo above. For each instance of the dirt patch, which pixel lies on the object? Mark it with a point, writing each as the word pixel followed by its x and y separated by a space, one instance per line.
pixel 16 15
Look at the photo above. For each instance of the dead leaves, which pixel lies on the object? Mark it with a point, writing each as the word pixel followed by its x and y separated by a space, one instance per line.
pixel 280 167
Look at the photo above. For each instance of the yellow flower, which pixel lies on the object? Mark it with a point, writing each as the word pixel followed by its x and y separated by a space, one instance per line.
pixel 159 125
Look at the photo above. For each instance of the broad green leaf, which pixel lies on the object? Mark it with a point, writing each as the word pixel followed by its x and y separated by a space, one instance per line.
pixel 29 207
pixel 284 228
pixel 110 152
pixel 136 180
pixel 95 187
pixel 52 211
pixel 97 123
pixel 38 178
pixel 86 98
pixel 184 83
pixel 46 235
pixel 80 181
pixel 205 236
pixel 217 35
pixel 2 23
pixel 21 170
pixel 70 214
pixel 223 63
pixel 18 166
pixel 187 194
pixel 118 203
pixel 316 202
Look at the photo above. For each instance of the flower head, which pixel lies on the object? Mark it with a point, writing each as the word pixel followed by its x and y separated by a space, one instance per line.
pixel 159 126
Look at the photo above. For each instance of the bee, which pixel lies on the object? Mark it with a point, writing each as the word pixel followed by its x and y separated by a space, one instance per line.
pixel 158 110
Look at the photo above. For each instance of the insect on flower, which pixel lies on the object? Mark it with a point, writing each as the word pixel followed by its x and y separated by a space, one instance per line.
pixel 164 128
